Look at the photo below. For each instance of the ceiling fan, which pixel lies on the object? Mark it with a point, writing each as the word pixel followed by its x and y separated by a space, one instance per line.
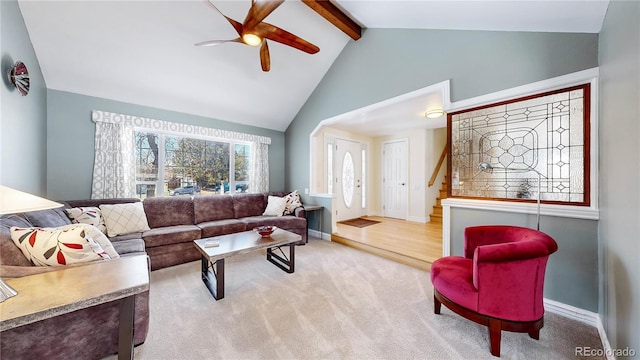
pixel 253 31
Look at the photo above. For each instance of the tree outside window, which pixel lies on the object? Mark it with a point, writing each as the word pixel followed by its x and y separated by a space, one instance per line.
pixel 189 166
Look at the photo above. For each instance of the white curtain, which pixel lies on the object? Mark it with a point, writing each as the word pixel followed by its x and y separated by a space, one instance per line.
pixel 114 165
pixel 259 167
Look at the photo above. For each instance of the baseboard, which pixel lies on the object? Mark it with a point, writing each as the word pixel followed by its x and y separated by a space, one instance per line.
pixel 583 316
pixel 319 235
pixel 417 219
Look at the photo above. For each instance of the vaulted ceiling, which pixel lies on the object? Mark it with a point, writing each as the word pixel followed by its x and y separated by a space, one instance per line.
pixel 143 52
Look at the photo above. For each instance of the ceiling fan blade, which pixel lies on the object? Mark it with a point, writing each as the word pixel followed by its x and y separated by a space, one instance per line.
pixel 265 59
pixel 259 10
pixel 216 42
pixel 274 33
pixel 236 24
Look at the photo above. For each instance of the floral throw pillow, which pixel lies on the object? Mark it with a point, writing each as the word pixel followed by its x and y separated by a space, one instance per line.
pixel 87 215
pixel 60 246
pixel 293 202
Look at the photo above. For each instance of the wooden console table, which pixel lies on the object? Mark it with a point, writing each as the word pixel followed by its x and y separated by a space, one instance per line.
pixel 54 293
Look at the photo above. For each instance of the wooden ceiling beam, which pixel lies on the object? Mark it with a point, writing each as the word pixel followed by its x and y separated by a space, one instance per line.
pixel 335 16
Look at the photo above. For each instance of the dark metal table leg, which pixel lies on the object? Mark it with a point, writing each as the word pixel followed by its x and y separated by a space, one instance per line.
pixel 125 327
pixel 215 275
pixel 281 261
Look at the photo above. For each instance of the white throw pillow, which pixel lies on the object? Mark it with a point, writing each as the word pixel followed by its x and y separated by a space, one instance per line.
pixel 293 202
pixel 99 237
pixel 59 246
pixel 124 219
pixel 275 206
pixel 87 215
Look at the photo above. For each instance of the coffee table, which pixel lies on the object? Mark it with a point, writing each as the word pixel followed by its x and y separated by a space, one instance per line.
pixel 242 243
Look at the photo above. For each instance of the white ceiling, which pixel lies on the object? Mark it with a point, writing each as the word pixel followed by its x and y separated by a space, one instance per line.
pixel 142 52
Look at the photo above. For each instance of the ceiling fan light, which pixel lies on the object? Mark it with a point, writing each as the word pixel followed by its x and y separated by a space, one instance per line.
pixel 435 113
pixel 251 39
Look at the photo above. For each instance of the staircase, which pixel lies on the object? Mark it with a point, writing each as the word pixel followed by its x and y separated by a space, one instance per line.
pixel 436 215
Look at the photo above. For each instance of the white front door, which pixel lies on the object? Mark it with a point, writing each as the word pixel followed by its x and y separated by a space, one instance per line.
pixel 348 179
pixel 395 184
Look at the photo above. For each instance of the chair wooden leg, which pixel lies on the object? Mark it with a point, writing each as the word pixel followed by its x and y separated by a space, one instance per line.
pixel 535 334
pixel 495 329
pixel 436 305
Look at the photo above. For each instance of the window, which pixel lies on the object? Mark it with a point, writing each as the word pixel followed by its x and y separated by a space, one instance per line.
pixel 537 146
pixel 364 178
pixel 330 168
pixel 169 165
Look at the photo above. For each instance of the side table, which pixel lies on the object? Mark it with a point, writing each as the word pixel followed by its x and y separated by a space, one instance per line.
pixel 54 293
pixel 314 208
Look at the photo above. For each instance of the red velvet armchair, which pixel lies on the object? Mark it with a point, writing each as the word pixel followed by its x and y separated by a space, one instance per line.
pixel 499 282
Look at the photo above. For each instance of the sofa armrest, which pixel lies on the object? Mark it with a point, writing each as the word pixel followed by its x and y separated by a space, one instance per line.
pixel 510 280
pixel 299 212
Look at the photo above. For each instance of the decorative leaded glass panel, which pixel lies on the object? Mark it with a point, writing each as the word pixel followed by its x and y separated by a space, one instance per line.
pixel 541 138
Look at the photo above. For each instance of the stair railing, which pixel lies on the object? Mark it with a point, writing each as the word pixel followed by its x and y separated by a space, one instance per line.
pixel 439 165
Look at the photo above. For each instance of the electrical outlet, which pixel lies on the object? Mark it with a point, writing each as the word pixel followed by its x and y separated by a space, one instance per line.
pixel 306 191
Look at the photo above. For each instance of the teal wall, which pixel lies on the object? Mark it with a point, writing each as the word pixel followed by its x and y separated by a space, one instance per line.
pixel 572 272
pixel 22 118
pixel 70 140
pixel 389 62
pixel 619 57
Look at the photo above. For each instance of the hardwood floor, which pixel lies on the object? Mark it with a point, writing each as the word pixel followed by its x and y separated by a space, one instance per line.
pixel 411 243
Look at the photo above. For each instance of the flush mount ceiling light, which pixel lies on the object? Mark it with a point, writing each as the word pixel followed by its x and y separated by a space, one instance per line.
pixel 434 113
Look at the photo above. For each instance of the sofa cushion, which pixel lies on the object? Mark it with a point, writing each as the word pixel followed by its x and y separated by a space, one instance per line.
pixel 124 218
pixel 453 277
pixel 221 227
pixel 87 215
pixel 169 255
pixel 129 247
pixel 170 235
pixel 169 211
pixel 212 207
pixel 98 202
pixel 248 205
pixel 134 235
pixel 48 218
pixel 68 244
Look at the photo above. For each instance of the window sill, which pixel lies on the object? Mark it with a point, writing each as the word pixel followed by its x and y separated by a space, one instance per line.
pixel 576 212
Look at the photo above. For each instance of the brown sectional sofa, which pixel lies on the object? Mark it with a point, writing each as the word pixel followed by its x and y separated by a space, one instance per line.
pixel 174 221
pixel 178 220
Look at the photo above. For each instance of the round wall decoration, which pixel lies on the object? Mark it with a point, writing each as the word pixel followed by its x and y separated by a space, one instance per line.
pixel 19 77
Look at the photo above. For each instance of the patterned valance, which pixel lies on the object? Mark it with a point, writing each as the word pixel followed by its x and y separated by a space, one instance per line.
pixel 167 126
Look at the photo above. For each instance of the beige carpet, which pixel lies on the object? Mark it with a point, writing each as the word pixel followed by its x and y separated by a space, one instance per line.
pixel 339 304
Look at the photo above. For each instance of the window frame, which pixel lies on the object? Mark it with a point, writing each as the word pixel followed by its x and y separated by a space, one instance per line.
pixel 576 212
pixel 586 87
pixel 162 135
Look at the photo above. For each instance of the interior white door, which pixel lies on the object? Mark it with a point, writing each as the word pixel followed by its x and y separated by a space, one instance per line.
pixel 348 179
pixel 395 184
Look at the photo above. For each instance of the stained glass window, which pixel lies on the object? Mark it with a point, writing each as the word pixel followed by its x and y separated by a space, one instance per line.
pixel 536 143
